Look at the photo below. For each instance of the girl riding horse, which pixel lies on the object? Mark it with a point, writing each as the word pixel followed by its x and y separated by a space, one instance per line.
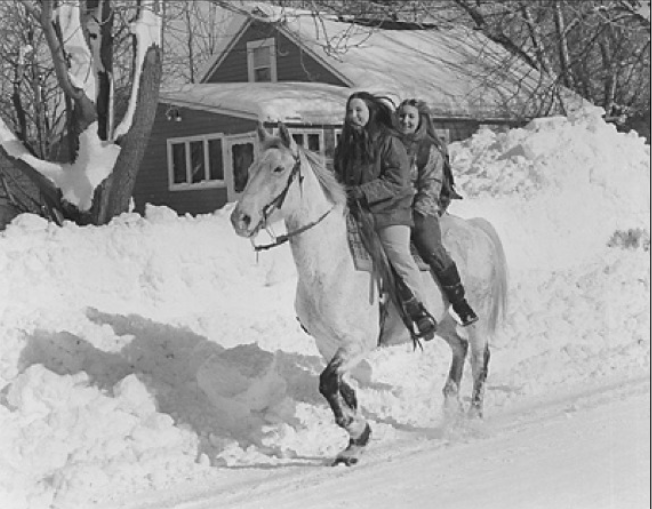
pixel 372 162
pixel 425 150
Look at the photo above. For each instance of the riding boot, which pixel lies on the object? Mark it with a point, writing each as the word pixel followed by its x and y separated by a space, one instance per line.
pixel 452 287
pixel 425 323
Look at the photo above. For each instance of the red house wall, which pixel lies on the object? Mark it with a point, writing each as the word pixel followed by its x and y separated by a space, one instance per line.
pixel 152 184
pixel 292 64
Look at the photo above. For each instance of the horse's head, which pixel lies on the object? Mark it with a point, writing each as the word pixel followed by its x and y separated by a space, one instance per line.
pixel 270 178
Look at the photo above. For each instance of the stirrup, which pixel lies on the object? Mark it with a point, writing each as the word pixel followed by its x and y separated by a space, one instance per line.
pixel 470 320
pixel 428 333
pixel 467 317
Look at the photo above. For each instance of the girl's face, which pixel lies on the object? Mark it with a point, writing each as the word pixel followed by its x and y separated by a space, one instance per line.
pixel 408 117
pixel 357 113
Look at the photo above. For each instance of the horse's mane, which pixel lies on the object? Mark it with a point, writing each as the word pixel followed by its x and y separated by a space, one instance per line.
pixel 333 189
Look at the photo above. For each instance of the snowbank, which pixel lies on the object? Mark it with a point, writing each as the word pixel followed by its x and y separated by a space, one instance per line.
pixel 156 349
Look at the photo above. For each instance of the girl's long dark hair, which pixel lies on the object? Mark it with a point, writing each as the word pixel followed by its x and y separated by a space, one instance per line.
pixel 359 144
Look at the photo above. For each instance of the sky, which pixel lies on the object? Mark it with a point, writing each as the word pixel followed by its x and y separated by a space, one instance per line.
pixel 156 361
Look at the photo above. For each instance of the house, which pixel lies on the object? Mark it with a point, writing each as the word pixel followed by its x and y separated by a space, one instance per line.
pixel 204 137
pixel 281 64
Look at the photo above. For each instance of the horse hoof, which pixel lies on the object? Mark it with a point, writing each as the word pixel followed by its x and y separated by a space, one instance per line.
pixel 345 460
pixel 351 455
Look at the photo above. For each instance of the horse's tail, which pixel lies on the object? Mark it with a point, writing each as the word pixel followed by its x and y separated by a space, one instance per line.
pixel 498 309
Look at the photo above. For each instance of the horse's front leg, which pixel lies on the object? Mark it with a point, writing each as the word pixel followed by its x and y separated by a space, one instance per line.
pixel 344 404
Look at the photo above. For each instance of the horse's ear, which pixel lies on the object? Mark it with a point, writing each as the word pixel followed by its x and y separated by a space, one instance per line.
pixel 262 132
pixel 284 134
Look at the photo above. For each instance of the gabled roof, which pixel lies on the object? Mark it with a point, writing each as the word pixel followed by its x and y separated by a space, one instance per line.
pixel 459 72
pixel 290 102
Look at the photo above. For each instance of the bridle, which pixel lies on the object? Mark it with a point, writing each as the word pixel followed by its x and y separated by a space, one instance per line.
pixel 277 203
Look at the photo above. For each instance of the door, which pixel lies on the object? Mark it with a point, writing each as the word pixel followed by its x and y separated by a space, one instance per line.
pixel 239 153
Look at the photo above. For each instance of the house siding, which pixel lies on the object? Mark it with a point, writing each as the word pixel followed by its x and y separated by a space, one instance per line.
pixel 292 63
pixel 152 185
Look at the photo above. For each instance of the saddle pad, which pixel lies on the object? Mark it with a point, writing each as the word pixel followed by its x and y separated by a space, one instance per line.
pixel 361 258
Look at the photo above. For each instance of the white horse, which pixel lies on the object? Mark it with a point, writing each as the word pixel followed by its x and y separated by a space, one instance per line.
pixel 337 304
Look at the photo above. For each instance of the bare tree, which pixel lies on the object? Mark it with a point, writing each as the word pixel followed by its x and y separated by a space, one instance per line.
pixel 192 32
pixel 597 48
pixel 64 98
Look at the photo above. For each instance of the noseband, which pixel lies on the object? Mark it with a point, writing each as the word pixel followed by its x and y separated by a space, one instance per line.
pixel 277 203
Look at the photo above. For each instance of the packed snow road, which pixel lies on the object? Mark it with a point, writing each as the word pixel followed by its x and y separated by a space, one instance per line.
pixel 588 449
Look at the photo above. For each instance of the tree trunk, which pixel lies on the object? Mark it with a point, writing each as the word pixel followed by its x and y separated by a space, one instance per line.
pixel 101 42
pixel 564 58
pixel 113 195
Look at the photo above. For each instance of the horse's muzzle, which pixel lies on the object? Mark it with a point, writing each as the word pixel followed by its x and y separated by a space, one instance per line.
pixel 242 223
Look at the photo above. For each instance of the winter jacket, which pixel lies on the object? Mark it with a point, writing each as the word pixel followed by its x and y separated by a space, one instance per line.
pixel 384 182
pixel 426 174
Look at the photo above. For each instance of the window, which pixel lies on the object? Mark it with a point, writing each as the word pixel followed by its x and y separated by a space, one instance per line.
pixel 242 159
pixel 261 60
pixel 331 142
pixel 239 155
pixel 312 139
pixel 195 162
pixel 338 134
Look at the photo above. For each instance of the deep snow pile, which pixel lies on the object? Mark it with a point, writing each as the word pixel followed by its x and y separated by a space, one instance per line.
pixel 153 350
pixel 572 184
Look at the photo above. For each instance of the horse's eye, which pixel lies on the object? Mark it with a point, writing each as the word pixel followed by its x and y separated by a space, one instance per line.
pixel 278 169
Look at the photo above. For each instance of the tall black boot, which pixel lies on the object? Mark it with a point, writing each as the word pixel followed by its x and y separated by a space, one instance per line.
pixel 425 323
pixel 416 312
pixel 452 287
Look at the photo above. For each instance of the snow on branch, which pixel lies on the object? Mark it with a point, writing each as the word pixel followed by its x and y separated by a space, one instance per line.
pixel 17 150
pixel 80 59
pixel 147 30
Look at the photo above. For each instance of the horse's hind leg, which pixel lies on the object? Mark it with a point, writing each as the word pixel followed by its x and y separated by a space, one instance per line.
pixel 459 347
pixel 344 404
pixel 480 368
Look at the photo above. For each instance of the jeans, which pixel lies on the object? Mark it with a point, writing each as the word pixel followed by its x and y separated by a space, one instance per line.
pixel 426 236
pixel 396 242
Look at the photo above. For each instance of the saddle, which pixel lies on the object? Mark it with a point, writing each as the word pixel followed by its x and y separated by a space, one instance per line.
pixel 362 259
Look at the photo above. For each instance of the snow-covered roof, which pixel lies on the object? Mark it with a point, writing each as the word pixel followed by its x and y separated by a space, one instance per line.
pixel 308 103
pixel 459 72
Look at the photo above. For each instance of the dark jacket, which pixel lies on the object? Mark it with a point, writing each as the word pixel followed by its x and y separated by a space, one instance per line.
pixel 385 181
pixel 426 170
pixel 431 174
pixel 427 174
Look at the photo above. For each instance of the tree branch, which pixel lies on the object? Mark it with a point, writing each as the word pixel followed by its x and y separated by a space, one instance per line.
pixel 535 37
pixel 86 113
pixel 493 34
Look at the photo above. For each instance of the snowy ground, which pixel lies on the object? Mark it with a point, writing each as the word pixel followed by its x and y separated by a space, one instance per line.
pixel 585 450
pixel 155 362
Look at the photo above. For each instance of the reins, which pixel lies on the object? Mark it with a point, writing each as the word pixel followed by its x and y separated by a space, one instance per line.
pixel 278 203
